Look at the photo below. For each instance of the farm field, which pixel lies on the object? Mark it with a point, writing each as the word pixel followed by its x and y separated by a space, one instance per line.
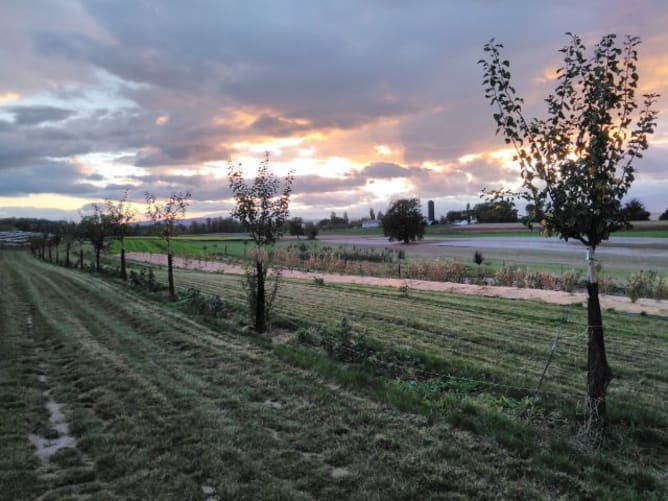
pixel 357 393
pixel 621 256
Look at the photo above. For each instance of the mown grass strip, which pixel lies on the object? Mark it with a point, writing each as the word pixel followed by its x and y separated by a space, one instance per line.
pixel 164 403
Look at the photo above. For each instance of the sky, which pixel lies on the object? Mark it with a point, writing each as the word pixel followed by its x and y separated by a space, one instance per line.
pixel 367 101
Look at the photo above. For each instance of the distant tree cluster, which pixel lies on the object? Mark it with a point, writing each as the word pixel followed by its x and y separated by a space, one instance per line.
pixel 404 221
pixel 35 225
pixel 335 222
pixel 634 210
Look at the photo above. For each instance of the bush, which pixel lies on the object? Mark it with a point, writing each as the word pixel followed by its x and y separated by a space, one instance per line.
pixel 311 230
pixel 647 284
pixel 145 279
pixel 505 276
pixel 569 280
pixel 199 304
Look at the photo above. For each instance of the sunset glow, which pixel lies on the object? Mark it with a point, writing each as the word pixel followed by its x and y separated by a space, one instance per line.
pixel 361 113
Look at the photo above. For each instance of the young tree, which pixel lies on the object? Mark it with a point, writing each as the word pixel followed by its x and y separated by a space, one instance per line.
pixel 120 216
pixel 404 221
pixel 664 216
pixel 164 216
pixel 262 208
pixel 576 165
pixel 80 235
pixel 69 230
pixel 95 227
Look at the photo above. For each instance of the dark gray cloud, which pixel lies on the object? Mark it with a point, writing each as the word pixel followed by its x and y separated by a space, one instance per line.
pixel 320 184
pixel 48 177
pixel 36 115
pixel 384 170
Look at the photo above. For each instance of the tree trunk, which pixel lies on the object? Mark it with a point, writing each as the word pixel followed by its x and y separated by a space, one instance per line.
pixel 50 259
pixel 599 374
pixel 170 275
pixel 260 299
pixel 68 247
pixel 97 259
pixel 124 273
pixel 81 264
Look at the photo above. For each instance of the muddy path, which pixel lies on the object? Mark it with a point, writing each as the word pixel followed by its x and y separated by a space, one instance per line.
pixel 619 303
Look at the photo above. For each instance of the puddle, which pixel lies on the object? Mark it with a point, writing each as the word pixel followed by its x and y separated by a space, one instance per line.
pixel 340 473
pixel 48 447
pixel 210 493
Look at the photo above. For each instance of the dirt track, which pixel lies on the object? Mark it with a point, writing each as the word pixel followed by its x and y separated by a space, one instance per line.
pixel 620 303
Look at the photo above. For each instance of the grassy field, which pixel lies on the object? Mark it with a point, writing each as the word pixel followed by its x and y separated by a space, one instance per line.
pixel 412 396
pixel 190 245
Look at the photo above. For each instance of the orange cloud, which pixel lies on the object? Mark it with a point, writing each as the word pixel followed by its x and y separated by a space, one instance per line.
pixel 9 97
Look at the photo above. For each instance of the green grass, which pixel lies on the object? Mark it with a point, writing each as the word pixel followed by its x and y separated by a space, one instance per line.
pixel 163 403
pixel 642 233
pixel 188 246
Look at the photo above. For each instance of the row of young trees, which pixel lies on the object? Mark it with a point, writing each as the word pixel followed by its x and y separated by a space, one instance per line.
pixel 107 222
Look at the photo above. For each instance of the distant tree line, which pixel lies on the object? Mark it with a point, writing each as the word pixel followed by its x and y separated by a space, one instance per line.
pixel 501 211
pixel 504 211
pixel 215 225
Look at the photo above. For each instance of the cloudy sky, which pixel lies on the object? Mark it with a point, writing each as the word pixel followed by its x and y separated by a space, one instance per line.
pixel 366 100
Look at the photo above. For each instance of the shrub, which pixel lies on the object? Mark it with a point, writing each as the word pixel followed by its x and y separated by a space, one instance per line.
pixel 505 276
pixel 646 284
pixel 311 230
pixel 199 304
pixel 569 280
pixel 145 279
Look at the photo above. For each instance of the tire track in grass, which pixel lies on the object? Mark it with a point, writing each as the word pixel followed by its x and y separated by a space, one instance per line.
pixel 19 400
pixel 61 289
pixel 61 469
